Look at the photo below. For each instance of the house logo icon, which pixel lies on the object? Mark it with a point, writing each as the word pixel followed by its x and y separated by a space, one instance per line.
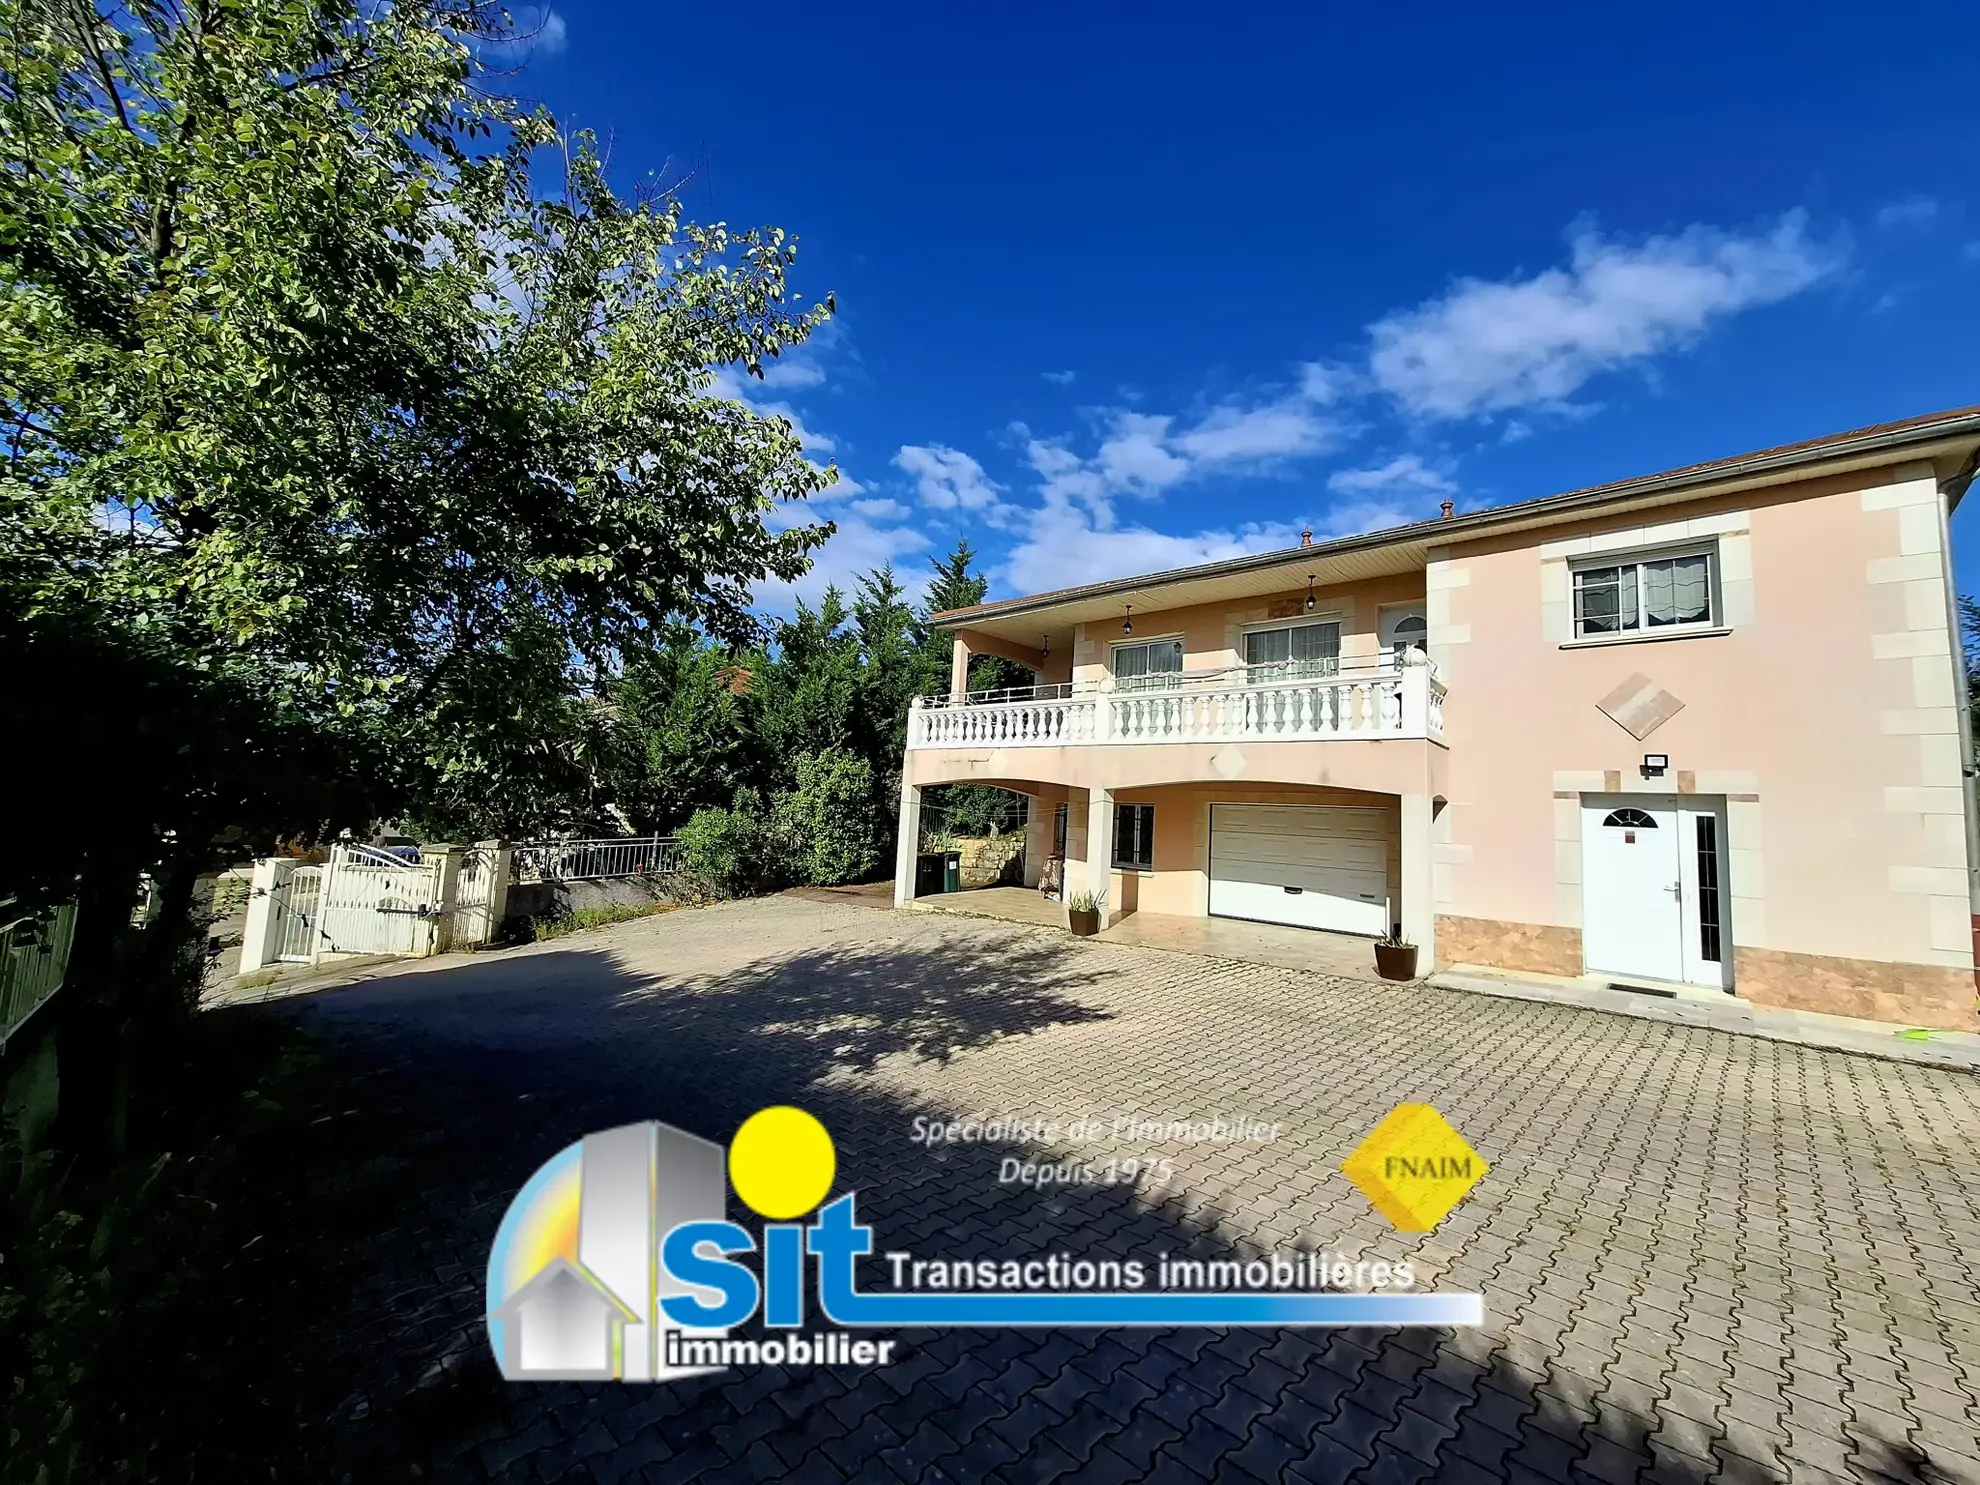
pixel 574 1281
pixel 577 1279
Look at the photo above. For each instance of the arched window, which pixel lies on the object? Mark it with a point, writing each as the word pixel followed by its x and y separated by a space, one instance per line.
pixel 1630 819
pixel 1409 633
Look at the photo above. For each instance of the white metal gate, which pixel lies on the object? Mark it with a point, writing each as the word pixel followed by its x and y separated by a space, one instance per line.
pixel 294 905
pixel 471 921
pixel 374 903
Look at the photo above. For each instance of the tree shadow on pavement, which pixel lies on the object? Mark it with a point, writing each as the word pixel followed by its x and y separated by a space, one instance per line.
pixel 452 1086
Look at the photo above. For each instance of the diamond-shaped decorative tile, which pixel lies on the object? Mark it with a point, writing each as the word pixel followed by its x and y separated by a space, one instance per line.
pixel 1639 706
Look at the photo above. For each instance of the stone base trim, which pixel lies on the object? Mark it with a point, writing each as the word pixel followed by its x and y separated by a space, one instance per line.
pixel 1871 989
pixel 1538 948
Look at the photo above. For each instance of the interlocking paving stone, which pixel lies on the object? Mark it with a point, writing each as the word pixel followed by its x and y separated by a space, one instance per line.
pixel 1703 1256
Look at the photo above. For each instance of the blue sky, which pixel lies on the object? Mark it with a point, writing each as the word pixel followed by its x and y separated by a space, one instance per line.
pixel 1125 287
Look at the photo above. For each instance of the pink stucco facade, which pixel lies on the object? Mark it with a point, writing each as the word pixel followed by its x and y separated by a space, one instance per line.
pixel 1819 716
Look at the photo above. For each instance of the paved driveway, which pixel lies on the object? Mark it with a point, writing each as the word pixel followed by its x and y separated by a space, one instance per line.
pixel 1702 1256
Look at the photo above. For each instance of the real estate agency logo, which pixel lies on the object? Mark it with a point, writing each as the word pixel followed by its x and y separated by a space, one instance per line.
pixel 589 1276
pixel 615 1263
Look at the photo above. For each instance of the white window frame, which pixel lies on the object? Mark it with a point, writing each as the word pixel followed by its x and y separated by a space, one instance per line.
pixel 1256 674
pixel 1712 623
pixel 1113 669
pixel 1147 840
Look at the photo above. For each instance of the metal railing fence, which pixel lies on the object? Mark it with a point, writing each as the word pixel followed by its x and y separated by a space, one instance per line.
pixel 595 860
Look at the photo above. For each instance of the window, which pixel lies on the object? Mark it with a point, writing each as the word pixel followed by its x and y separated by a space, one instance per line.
pixel 1293 652
pixel 1708 889
pixel 1134 837
pixel 1652 593
pixel 1153 666
pixel 1409 633
pixel 1630 819
pixel 1060 817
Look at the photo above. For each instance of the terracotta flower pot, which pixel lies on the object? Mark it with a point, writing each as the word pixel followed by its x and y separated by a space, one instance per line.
pixel 1395 961
pixel 1084 924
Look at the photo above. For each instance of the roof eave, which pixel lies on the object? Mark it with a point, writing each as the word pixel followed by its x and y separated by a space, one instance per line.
pixel 1545 509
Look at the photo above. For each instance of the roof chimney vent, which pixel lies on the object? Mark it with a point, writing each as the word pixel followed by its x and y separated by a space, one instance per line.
pixel 1448 509
pixel 1306 537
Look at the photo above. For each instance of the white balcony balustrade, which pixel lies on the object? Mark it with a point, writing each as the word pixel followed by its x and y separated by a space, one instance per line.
pixel 1259 703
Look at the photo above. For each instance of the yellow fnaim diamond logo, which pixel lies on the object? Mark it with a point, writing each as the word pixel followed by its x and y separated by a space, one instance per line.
pixel 1414 1167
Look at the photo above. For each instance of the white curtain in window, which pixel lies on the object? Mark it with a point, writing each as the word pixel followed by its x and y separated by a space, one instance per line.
pixel 1677 591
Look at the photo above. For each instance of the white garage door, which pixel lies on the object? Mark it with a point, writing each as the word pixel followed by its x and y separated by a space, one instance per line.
pixel 1313 866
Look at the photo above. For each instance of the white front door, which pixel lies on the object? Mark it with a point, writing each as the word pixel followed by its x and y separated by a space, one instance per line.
pixel 1652 887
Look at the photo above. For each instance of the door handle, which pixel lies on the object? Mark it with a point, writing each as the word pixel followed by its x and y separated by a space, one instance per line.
pixel 1676 889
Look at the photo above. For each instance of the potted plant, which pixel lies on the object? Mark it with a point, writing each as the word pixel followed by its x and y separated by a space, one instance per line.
pixel 1083 910
pixel 1395 956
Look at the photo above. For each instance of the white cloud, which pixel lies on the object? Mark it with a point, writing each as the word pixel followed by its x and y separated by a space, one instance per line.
pixel 1135 456
pixel 1058 378
pixel 793 370
pixel 1406 472
pixel 1912 211
pixel 881 509
pixel 1280 430
pixel 946 478
pixel 1357 518
pixel 1144 454
pixel 857 547
pixel 1324 383
pixel 1064 548
pixel 1485 347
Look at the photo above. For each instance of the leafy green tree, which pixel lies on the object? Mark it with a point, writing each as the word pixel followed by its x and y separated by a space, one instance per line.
pixel 826 820
pixel 956 583
pixel 299 379
pixel 327 423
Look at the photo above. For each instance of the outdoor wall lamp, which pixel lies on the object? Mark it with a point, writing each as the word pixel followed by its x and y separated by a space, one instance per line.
pixel 1309 592
pixel 1045 650
pixel 1654 765
pixel 1127 624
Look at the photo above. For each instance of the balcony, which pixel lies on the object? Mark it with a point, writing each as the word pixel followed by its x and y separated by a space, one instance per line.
pixel 1251 703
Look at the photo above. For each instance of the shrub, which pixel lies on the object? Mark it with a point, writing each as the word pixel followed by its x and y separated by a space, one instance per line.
pixel 722 852
pixel 824 827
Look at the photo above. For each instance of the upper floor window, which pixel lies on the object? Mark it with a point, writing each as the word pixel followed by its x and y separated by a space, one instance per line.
pixel 1292 652
pixel 1152 665
pixel 1634 595
pixel 1409 633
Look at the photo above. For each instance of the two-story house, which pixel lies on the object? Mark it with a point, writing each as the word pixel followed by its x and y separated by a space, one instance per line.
pixel 1704 728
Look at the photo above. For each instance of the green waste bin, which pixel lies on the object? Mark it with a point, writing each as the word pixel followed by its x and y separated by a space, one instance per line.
pixel 952 871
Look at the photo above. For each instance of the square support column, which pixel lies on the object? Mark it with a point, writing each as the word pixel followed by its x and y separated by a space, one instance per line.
pixel 1419 908
pixel 261 937
pixel 959 670
pixel 909 844
pixel 439 936
pixel 1098 875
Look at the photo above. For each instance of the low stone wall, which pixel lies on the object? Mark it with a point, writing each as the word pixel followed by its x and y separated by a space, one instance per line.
pixel 988 860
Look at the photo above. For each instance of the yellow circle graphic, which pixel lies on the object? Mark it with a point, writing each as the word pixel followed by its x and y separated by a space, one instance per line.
pixel 781 1162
